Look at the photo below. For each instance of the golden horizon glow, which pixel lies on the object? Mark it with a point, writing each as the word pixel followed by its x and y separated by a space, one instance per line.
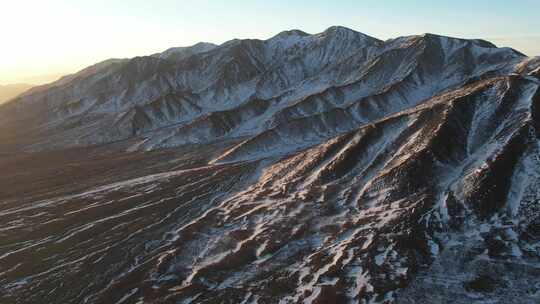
pixel 42 40
pixel 47 39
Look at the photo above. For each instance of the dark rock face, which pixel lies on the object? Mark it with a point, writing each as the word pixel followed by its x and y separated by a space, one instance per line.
pixel 328 168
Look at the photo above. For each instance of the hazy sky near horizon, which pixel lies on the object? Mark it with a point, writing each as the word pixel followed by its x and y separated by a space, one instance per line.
pixel 42 39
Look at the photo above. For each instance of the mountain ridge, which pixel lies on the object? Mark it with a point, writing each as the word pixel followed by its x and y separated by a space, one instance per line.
pixel 269 75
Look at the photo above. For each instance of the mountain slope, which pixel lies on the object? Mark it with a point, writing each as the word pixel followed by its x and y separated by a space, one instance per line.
pixel 10 91
pixel 354 218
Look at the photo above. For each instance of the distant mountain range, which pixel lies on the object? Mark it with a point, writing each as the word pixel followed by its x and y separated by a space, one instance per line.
pixel 306 168
pixel 7 92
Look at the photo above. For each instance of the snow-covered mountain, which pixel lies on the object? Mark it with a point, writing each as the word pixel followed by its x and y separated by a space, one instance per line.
pixel 325 168
pixel 248 88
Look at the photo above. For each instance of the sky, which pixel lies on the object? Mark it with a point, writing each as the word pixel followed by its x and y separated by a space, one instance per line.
pixel 43 39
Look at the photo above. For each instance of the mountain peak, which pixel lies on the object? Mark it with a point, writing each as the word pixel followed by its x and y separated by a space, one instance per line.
pixel 177 53
pixel 203 45
pixel 345 32
pixel 291 33
pixel 340 29
pixel 478 42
